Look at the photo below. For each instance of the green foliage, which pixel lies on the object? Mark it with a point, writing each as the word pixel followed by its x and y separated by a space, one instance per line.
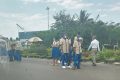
pixel 36 50
pixel 109 54
pixel 107 33
pixel 49 50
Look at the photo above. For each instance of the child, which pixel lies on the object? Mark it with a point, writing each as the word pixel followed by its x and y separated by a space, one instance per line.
pixel 55 51
pixel 78 51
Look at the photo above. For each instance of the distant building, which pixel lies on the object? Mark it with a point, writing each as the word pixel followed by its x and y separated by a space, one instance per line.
pixel 25 36
pixel 28 35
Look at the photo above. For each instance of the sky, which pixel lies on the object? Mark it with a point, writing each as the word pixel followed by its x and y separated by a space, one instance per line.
pixel 32 14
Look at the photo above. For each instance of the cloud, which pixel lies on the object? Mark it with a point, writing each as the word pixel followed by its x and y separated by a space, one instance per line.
pixel 75 4
pixel 33 22
pixel 22 16
pixel 103 15
pixel 115 8
pixel 31 1
pixel 69 4
pixel 34 17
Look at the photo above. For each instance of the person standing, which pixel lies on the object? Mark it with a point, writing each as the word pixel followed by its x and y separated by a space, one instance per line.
pixel 64 44
pixel 70 56
pixel 95 47
pixel 3 51
pixel 14 55
pixel 55 51
pixel 77 51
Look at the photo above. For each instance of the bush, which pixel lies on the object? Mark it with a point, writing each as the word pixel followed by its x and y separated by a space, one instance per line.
pixel 49 50
pixel 35 50
pixel 109 54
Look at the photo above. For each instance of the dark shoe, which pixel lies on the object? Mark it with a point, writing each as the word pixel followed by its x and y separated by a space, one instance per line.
pixel 78 68
pixel 93 64
pixel 73 68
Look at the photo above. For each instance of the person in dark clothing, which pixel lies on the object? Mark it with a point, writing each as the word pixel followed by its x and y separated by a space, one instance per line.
pixel 14 55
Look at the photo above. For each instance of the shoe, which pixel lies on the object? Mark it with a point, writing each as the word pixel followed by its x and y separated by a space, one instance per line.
pixel 93 64
pixel 59 61
pixel 78 68
pixel 65 63
pixel 69 67
pixel 63 67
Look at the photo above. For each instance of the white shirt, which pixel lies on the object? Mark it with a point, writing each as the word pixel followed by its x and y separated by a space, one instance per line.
pixel 55 44
pixel 94 45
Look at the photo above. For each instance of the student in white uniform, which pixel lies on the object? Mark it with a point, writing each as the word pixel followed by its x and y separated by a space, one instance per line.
pixel 64 43
pixel 78 51
pixel 55 51
pixel 95 47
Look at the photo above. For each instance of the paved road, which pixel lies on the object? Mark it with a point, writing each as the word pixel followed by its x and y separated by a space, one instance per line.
pixel 40 69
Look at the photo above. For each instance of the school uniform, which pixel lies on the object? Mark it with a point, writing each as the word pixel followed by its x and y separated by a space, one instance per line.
pixel 59 52
pixel 70 55
pixel 17 55
pixel 55 50
pixel 11 55
pixel 77 54
pixel 64 43
pixel 14 55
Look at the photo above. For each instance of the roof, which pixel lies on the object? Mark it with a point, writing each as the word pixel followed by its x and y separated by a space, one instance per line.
pixel 28 35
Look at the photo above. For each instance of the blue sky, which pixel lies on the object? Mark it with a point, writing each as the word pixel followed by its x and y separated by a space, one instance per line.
pixel 32 14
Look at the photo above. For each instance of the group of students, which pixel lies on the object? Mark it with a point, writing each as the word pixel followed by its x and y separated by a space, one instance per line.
pixel 9 55
pixel 69 53
pixel 14 55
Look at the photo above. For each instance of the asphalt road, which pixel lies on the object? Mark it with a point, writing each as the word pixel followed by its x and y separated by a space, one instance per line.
pixel 41 69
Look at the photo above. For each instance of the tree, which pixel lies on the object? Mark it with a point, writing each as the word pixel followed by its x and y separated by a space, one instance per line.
pixel 106 33
pixel 84 16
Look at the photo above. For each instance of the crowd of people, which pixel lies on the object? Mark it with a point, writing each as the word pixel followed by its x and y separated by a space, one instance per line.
pixel 69 53
pixel 14 55
pixel 64 51
pixel 9 55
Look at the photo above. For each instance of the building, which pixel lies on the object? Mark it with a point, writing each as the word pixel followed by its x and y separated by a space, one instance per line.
pixel 28 35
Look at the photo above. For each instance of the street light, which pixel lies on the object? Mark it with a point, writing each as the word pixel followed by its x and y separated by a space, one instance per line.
pixel 48 16
pixel 21 29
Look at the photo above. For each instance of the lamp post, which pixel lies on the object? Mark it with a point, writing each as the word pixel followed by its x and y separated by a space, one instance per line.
pixel 48 16
pixel 21 29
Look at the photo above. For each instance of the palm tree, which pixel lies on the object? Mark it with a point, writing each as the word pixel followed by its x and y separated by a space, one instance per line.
pixel 84 16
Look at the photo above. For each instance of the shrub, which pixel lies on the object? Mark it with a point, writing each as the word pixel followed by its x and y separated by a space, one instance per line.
pixel 109 54
pixel 35 50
